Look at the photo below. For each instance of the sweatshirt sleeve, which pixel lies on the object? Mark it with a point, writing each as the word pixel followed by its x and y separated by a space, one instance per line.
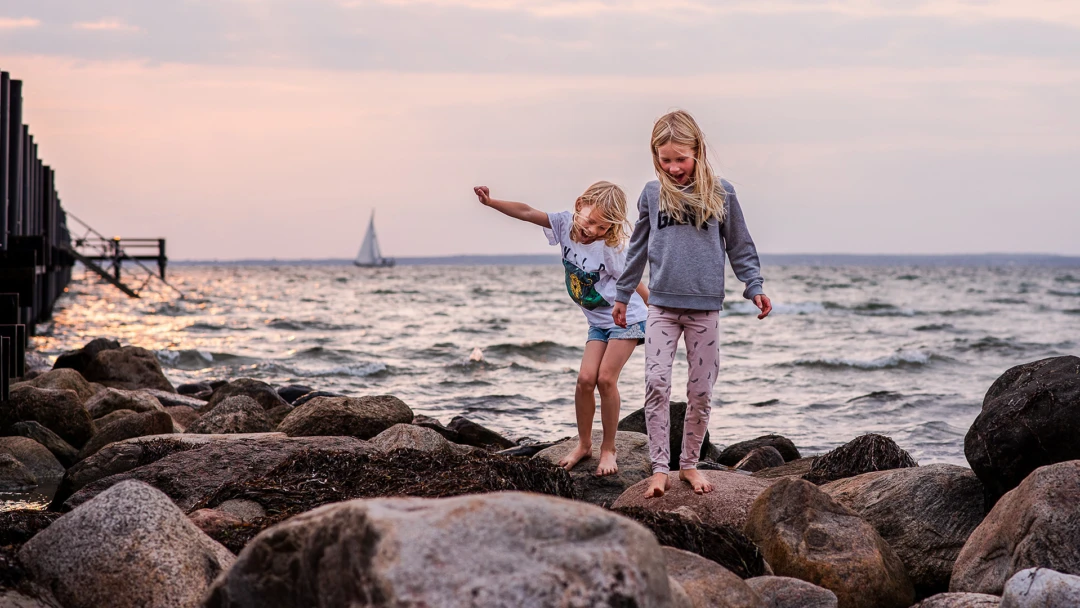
pixel 740 247
pixel 637 253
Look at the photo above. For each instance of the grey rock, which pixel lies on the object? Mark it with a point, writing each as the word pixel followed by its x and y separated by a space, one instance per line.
pixel 960 600
pixel 60 411
pixel 360 417
pixel 112 417
pixel 244 510
pixel 14 475
pixel 1036 524
pixel 764 457
pixel 313 394
pixel 61 449
pixel 237 414
pixel 728 504
pixel 408 436
pixel 182 415
pixel 795 468
pixel 61 380
pixel 130 547
pixel 635 422
pixel 167 399
pixel 787 592
pixel 77 360
pixel 194 388
pixel 368 553
pixel 34 456
pixel 261 392
pixel 293 392
pixel 276 415
pixel 737 451
pixel 128 367
pixel 632 450
pixel 154 422
pixel 1041 588
pixel 15 599
pixel 113 399
pixel 477 435
pixel 708 584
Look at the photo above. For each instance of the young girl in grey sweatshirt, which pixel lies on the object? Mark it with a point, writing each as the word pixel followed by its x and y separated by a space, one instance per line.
pixel 688 220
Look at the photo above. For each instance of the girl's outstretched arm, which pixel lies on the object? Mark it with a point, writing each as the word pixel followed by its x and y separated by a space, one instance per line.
pixel 519 211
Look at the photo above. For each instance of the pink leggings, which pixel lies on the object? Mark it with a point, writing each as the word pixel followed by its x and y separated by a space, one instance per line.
pixel 702 339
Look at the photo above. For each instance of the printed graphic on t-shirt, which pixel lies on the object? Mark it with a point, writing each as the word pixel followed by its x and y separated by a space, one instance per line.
pixel 581 285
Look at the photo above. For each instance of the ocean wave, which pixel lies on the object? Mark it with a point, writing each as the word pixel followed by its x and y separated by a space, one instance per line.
pixel 216 327
pixel 900 359
pixel 544 350
pixel 745 307
pixel 1060 292
pixel 882 309
pixel 1067 278
pixel 1007 301
pixel 356 370
pixel 935 327
pixel 966 312
pixel 290 325
pixel 194 359
pixel 1072 311
pixel 877 396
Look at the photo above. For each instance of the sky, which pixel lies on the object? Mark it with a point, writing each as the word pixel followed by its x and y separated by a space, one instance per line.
pixel 256 129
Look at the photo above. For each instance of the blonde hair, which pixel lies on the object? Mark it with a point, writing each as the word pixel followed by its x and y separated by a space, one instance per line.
pixel 705 198
pixel 609 201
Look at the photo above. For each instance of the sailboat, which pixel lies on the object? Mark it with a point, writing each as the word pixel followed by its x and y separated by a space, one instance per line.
pixel 369 255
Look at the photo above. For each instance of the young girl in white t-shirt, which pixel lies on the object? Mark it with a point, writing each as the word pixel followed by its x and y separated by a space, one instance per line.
pixel 592 239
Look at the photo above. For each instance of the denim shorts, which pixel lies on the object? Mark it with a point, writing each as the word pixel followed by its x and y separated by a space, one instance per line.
pixel 630 332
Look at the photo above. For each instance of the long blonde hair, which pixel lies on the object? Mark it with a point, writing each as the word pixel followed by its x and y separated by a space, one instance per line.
pixel 609 201
pixel 705 198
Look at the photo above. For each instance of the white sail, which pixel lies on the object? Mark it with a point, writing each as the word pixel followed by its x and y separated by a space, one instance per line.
pixel 370 254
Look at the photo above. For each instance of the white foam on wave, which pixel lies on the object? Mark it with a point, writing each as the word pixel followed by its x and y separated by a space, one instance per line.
pixel 745 307
pixel 898 359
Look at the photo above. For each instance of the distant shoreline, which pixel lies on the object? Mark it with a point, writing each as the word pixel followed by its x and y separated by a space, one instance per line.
pixel 792 259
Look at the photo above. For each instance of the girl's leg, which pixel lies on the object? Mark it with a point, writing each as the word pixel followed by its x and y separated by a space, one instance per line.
pixel 585 402
pixel 661 340
pixel 703 356
pixel 615 357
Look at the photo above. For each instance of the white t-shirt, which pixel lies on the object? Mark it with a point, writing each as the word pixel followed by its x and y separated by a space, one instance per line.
pixel 591 273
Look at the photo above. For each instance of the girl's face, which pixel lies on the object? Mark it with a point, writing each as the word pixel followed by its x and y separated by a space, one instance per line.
pixel 677 161
pixel 591 227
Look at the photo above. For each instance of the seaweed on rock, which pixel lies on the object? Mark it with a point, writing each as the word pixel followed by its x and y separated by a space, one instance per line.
pixel 864 454
pixel 723 544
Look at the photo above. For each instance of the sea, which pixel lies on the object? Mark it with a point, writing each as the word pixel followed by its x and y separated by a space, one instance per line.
pixel 905 347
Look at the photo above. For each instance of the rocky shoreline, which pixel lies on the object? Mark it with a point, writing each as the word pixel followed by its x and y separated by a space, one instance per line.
pixel 237 493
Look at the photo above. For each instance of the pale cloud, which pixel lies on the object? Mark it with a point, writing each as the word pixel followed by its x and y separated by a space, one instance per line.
pixel 9 23
pixel 107 24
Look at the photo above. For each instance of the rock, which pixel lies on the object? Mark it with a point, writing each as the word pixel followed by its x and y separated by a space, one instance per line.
pixel 408 436
pixel 167 399
pixel 1030 418
pixel 128 367
pixel 433 424
pixel 34 456
pixel 78 359
pixel 925 514
pixel 633 459
pixel 60 411
pixel 113 399
pixel 244 510
pixel 737 451
pixel 313 394
pixel 684 530
pixel 960 600
pixel 277 414
pixel 707 583
pixel 759 458
pixel 787 592
pixel 214 522
pixel 61 380
pixel 61 449
pixel 635 422
pixel 807 535
pixel 476 435
pixel 136 425
pixel 238 414
pixel 727 504
pixel 261 392
pixel 795 468
pixel 112 417
pixel 360 417
pixel 129 547
pixel 182 415
pixel 293 392
pixel 14 599
pixel 679 598
pixel 192 475
pixel 380 545
pixel 1041 588
pixel 20 525
pixel 14 475
pixel 1036 524
pixel 863 454
pixel 194 388
pixel 528 450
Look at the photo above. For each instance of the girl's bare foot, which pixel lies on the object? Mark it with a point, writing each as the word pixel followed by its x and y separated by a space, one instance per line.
pixel 575 456
pixel 658 484
pixel 696 480
pixel 608 465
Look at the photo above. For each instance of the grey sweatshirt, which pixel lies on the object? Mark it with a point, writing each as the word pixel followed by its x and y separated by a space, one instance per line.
pixel 686 264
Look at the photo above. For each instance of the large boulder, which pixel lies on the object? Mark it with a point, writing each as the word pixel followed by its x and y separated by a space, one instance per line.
pixel 32 429
pixel 863 454
pixel 1036 524
pixel 960 600
pixel 78 359
pixel 61 380
pixel 1041 588
pixel 412 437
pixel 192 475
pixel 1030 418
pixel 707 583
pixel 129 547
pixel 261 392
pixel 360 417
pixel 727 504
pixel 60 411
pixel 787 592
pixel 477 435
pixel 735 452
pixel 635 422
pixel 632 450
pixel 36 457
pixel 154 422
pixel 14 475
pixel 467 551
pixel 764 457
pixel 128 367
pixel 926 514
pixel 110 400
pixel 806 535
pixel 237 414
pixel 111 417
pixel 182 415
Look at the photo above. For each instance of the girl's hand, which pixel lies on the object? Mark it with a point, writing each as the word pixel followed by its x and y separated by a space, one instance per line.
pixel 763 304
pixel 618 314
pixel 483 194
